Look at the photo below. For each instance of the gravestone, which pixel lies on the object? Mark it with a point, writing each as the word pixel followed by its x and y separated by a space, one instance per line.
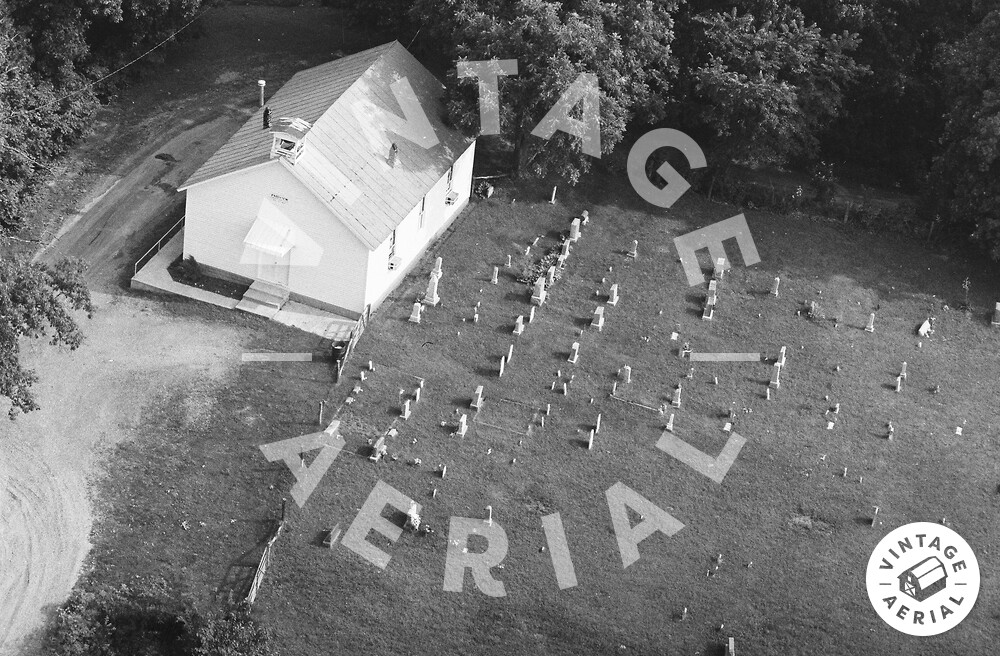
pixel 634 253
pixel 527 251
pixel 731 647
pixel 708 312
pixel 597 426
pixel 379 450
pixel 719 270
pixel 550 276
pixel 431 297
pixel 899 384
pixel 614 387
pixel 415 313
pixel 713 285
pixel 574 352
pixel 690 373
pixel 496 275
pixel 586 216
pixel 590 440
pixel 627 370
pixel 508 262
pixel 565 250
pixel 538 295
pixel 774 288
pixel 781 356
pixel 416 395
pixel 463 426
pixel 670 423
pixel 406 409
pixel 727 428
pixel 552 201
pixel 510 353
pixel 531 314
pixel 475 318
pixel 676 401
pixel 613 295
pixel 870 328
pixel 477 399
pixel 836 409
pixel 437 271
pixel 996 316
pixel 711 299
pixel 775 377
pixel 902 374
pixel 519 324
pixel 503 361
pixel 598 320
pixel 574 230
pixel 767 395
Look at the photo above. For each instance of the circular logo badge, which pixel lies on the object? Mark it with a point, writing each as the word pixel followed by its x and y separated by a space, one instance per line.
pixel 923 579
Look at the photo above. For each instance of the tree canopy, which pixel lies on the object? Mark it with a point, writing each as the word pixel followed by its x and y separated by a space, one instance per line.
pixel 36 300
pixel 626 47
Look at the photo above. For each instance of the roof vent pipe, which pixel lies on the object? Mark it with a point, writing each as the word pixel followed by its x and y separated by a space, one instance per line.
pixel 261 84
pixel 393 154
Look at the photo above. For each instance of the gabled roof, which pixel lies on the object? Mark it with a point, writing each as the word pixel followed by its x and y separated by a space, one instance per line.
pixel 344 157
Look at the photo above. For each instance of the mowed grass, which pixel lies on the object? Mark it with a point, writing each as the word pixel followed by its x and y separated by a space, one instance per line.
pixel 805 591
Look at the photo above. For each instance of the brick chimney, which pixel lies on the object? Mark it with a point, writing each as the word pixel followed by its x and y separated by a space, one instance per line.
pixel 267 118
pixel 393 154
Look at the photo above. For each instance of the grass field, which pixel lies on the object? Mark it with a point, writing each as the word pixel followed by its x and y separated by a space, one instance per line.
pixel 805 591
pixel 784 504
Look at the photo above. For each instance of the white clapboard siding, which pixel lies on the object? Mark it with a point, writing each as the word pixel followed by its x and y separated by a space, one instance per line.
pixel 412 240
pixel 220 213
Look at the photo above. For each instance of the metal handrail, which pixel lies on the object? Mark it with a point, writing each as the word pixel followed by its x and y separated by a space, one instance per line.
pixel 155 248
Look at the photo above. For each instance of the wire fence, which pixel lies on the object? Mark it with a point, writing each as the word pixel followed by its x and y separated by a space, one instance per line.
pixel 265 559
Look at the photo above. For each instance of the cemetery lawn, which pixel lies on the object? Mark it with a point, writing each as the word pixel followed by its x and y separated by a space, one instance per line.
pixel 785 505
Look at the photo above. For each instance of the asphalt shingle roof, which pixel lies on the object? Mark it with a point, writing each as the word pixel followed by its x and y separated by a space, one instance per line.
pixel 344 157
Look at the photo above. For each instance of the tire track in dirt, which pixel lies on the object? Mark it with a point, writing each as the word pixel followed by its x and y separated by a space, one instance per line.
pixel 91 399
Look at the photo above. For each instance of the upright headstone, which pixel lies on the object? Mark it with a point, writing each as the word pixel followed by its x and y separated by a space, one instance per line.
pixel 531 314
pixel 496 275
pixel 781 356
pixel 437 270
pixel 731 647
pixel 538 295
pixel 774 289
pixel 598 320
pixel 676 401
pixel 597 426
pixel 711 299
pixel 477 399
pixel 574 353
pixel 708 312
pixel 719 270
pixel 775 377
pixel 670 423
pixel 574 230
pixel 614 387
pixel 503 361
pixel 627 371
pixel 416 395
pixel 463 426
pixel 713 285
pixel 613 295
pixel 634 253
pixel 586 216
pixel 590 440
pixel 415 313
pixel 767 394
pixel 902 374
pixel 519 325
pixel 550 276
pixel 996 316
pixel 431 297
pixel 870 328
pixel 510 353
pixel 406 409
pixel 690 373
pixel 552 201
pixel 899 384
pixel 508 262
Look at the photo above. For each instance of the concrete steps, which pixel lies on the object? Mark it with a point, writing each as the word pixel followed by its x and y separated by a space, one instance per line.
pixel 263 298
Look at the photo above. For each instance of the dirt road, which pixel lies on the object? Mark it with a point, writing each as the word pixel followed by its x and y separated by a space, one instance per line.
pixel 91 399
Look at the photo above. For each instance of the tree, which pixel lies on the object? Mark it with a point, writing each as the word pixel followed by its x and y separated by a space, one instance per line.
pixel 35 301
pixel 966 175
pixel 233 632
pixel 626 46
pixel 759 87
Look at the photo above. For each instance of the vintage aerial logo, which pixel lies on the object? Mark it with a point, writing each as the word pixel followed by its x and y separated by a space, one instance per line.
pixel 923 579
